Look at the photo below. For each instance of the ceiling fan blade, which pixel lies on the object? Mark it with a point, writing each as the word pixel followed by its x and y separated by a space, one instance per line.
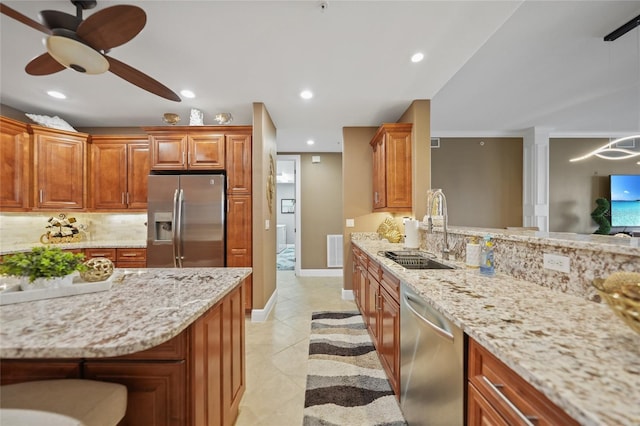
pixel 140 79
pixel 6 10
pixel 112 27
pixel 56 19
pixel 43 65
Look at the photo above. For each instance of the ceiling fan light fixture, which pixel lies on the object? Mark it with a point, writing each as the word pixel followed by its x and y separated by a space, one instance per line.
pixel 76 55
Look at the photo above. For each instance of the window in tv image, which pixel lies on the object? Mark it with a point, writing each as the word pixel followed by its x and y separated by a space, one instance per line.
pixel 625 200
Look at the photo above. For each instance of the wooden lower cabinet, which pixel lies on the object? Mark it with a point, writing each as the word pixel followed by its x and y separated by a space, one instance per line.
pixel 121 257
pixel 18 370
pixel 377 296
pixel 196 378
pixel 499 396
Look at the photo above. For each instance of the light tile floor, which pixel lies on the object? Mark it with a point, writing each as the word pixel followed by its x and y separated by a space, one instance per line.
pixel 277 350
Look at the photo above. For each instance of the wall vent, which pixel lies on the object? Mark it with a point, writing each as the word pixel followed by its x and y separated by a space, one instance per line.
pixel 334 251
pixel 435 142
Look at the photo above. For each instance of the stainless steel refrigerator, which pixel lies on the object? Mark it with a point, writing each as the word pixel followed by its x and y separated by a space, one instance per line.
pixel 186 221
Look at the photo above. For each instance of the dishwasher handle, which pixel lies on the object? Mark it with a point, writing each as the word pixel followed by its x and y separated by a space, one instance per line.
pixel 409 300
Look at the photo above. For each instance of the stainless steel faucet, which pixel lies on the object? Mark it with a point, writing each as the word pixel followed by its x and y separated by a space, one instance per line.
pixel 437 193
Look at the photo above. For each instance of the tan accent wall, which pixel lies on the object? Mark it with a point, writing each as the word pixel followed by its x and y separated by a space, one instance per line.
pixel 264 240
pixel 418 113
pixel 574 187
pixel 482 180
pixel 320 206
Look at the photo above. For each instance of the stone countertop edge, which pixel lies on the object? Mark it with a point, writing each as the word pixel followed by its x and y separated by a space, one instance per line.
pixel 576 352
pixel 606 243
pixel 143 308
pixel 16 248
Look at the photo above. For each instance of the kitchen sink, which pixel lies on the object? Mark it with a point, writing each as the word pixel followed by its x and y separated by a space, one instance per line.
pixel 415 260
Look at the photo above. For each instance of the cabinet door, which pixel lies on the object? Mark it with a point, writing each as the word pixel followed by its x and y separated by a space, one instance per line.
pixel 207 370
pixel 238 159
pixel 168 152
pixel 389 338
pixel 398 169
pixel 233 359
pixel 480 412
pixel 239 235
pixel 372 306
pixel 59 170
pixel 14 173
pixel 137 175
pixel 379 174
pixel 155 390
pixel 109 175
pixel 206 151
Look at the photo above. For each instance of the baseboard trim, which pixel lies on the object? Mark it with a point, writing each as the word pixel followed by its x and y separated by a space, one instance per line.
pixel 348 295
pixel 320 272
pixel 261 315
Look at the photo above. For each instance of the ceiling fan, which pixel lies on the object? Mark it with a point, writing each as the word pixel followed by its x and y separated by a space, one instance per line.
pixel 83 44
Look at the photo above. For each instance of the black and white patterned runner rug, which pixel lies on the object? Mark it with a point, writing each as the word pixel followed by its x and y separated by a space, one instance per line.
pixel 346 384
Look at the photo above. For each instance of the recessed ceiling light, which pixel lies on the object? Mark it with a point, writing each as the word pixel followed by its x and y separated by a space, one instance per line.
pixel 306 94
pixel 57 95
pixel 310 142
pixel 187 93
pixel 417 57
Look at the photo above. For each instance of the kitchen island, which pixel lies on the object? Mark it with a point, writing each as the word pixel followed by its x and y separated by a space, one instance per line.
pixel 574 351
pixel 174 337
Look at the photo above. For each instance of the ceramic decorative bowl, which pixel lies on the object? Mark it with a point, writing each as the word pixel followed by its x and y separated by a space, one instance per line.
pixel 171 118
pixel 98 269
pixel 621 291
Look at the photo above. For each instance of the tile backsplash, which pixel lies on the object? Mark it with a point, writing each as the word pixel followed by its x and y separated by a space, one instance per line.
pixel 27 228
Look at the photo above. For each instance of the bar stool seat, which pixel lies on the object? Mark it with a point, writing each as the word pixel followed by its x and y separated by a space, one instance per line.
pixel 82 402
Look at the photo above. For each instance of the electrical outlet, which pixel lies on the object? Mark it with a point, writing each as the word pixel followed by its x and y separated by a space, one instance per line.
pixel 556 262
pixel 351 223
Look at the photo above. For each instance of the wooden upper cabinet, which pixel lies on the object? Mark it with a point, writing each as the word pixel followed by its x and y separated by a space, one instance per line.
pixel 59 169
pixel 206 151
pixel 392 181
pixel 239 163
pixel 15 160
pixel 118 172
pixel 168 151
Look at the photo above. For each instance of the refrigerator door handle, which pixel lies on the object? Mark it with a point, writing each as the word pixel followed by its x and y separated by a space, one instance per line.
pixel 174 237
pixel 180 257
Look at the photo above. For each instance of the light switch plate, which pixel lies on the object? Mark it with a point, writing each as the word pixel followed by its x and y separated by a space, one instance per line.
pixel 267 224
pixel 351 223
pixel 556 262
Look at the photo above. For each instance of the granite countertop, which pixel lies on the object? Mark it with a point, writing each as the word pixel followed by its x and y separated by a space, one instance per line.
pixel 576 352
pixel 142 309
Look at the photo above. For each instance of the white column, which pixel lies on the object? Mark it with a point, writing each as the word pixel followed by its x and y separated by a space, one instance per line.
pixel 535 180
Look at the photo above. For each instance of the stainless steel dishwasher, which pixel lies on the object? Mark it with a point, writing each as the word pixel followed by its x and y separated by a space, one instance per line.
pixel 431 364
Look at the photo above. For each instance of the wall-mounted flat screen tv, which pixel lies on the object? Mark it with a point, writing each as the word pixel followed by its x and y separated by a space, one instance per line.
pixel 625 200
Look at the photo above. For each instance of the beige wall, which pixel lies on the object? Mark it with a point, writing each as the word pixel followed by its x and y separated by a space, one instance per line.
pixel 320 206
pixel 264 240
pixel 574 187
pixel 482 180
pixel 418 113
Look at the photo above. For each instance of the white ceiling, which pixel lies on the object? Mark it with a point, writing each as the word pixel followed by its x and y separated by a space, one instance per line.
pixel 491 67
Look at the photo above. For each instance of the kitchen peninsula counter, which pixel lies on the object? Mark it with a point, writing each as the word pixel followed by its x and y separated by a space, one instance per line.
pixel 574 351
pixel 143 308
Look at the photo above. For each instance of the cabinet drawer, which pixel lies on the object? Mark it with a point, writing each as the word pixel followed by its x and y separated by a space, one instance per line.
pixel 509 394
pixel 109 253
pixel 392 285
pixel 131 254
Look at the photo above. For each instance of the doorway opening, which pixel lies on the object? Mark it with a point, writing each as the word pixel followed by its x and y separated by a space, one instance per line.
pixel 288 213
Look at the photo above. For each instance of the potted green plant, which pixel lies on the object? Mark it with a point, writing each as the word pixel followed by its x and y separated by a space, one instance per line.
pixel 43 267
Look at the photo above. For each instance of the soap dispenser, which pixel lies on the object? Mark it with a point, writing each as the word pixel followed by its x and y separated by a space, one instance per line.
pixel 487 266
